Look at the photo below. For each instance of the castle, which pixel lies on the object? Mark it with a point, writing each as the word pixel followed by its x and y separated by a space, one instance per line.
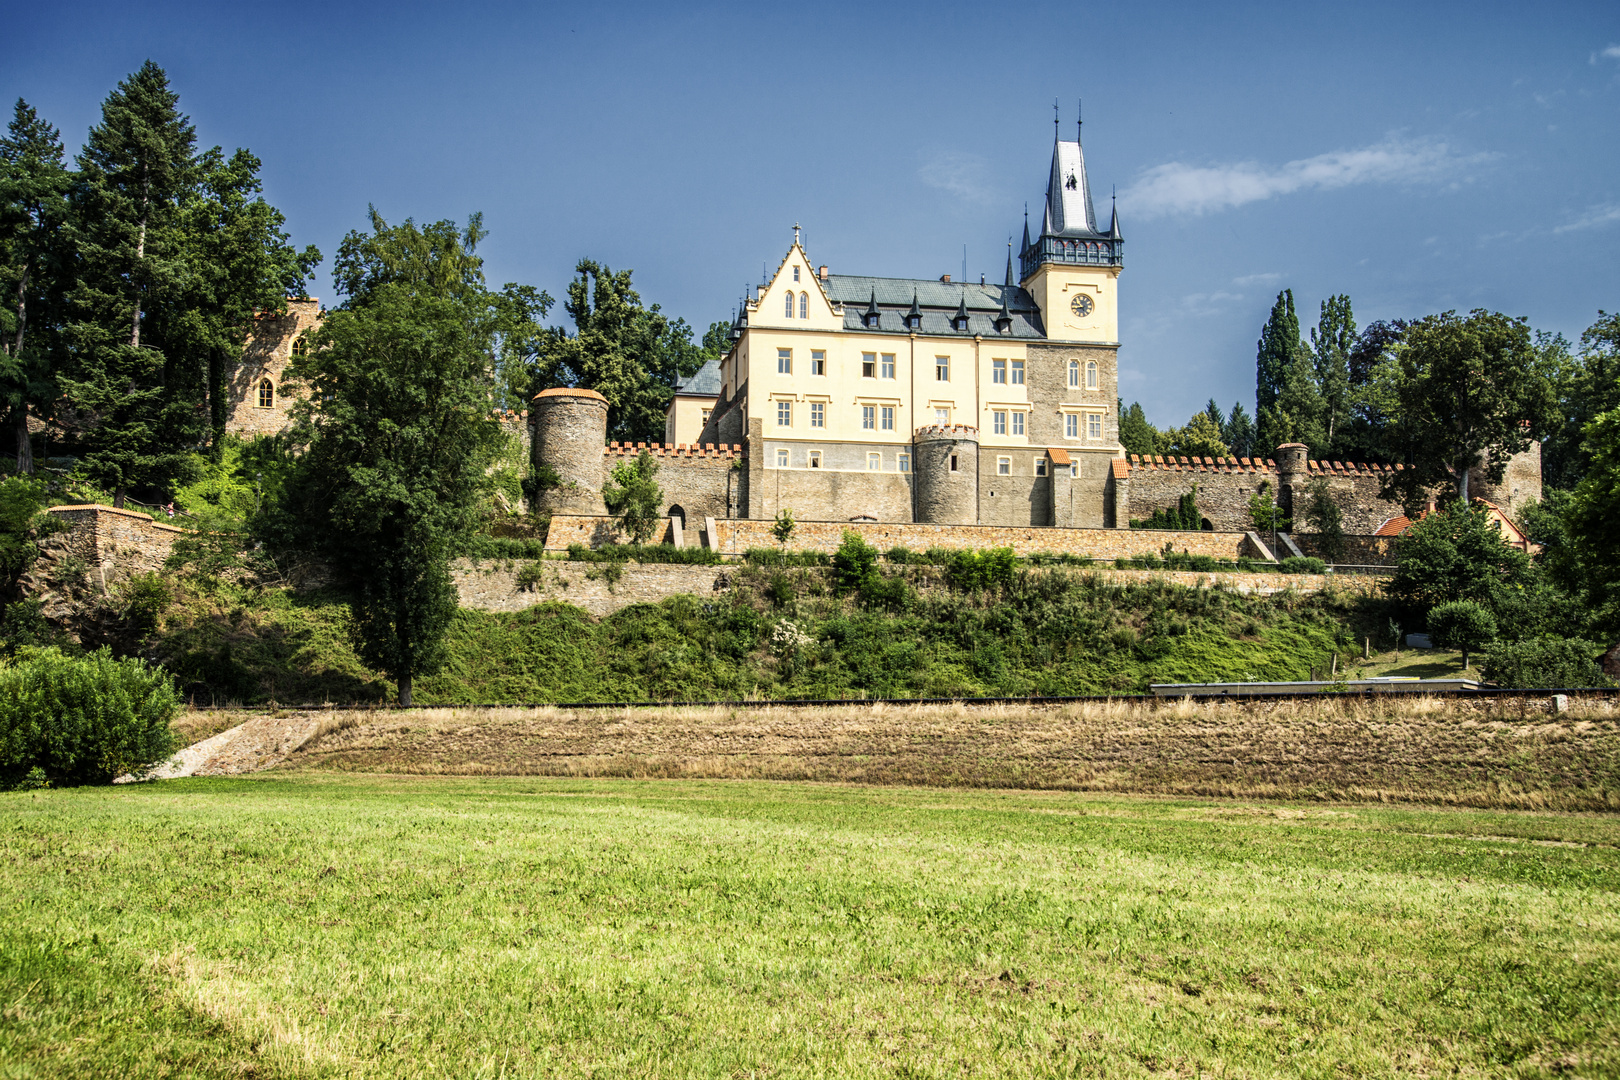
pixel 846 398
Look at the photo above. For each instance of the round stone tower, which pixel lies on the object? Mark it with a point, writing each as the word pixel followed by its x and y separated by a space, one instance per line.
pixel 946 463
pixel 570 435
pixel 1292 476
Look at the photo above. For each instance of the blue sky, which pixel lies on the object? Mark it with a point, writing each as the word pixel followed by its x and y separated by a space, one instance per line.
pixel 1418 157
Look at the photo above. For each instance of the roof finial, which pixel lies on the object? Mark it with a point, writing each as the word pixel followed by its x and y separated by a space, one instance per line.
pixel 1054 118
pixel 1079 119
pixel 795 232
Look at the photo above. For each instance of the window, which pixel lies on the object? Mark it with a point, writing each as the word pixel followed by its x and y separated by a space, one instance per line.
pixel 998 423
pixel 1003 466
pixel 300 345
pixel 784 361
pixel 998 371
pixel 818 361
pixel 888 418
pixel 1074 373
pixel 1018 372
pixel 1091 375
pixel 267 394
pixel 1071 426
pixel 706 414
pixel 953 463
pixel 1094 425
pixel 942 368
pixel 815 459
pixel 784 414
pixel 1074 468
pixel 942 416
pixel 1040 465
pixel 888 365
pixel 872 320
pixel 868 417
pixel 902 462
pixel 804 303
pixel 874 462
pixel 868 365
pixel 795 273
pixel 959 323
pixel 913 322
pixel 789 312
pixel 1018 423
pixel 781 459
pixel 818 414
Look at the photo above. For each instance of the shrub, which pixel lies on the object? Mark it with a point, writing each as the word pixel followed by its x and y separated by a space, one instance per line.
pixel 530 577
pixel 1302 564
pixel 763 556
pixel 886 593
pixel 147 597
pixel 1183 516
pixel 83 720
pixel 899 555
pixel 1544 663
pixel 854 562
pixel 504 547
pixel 780 590
pixel 649 553
pixel 988 569
pixel 1462 624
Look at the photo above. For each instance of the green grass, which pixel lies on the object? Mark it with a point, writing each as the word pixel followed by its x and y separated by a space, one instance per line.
pixel 318 926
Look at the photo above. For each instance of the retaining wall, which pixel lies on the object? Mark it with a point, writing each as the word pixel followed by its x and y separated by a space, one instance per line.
pixel 114 544
pixel 738 535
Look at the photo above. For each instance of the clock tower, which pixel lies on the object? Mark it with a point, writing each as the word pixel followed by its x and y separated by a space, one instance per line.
pixel 1072 268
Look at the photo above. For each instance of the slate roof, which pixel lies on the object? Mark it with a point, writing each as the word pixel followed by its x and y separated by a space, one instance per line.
pixel 939 302
pixel 705 383
pixel 1068 195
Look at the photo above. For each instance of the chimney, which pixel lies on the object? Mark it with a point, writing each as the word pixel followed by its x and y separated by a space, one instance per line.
pixel 822 273
pixel 946 278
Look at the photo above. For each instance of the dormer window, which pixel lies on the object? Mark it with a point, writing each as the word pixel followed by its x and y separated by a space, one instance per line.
pixel 913 322
pixel 960 323
pixel 871 320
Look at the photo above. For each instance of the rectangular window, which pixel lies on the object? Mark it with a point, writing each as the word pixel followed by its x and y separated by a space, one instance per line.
pixel 1003 466
pixel 706 414
pixel 868 365
pixel 1094 425
pixel 1074 373
pixel 815 459
pixel 781 459
pixel 1091 375
pixel 998 371
pixel 1071 426
pixel 998 423
pixel 784 414
pixel 942 416
pixel 868 417
pixel 818 361
pixel 874 462
pixel 953 463
pixel 1018 373
pixel 1018 423
pixel 784 361
pixel 1040 465
pixel 818 414
pixel 942 368
pixel 888 365
pixel 902 462
pixel 795 273
pixel 1074 468
pixel 888 418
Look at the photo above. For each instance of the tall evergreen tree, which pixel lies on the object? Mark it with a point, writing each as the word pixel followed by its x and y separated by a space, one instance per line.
pixel 1333 339
pixel 1136 435
pixel 1213 411
pixel 33 208
pixel 136 410
pixel 1238 431
pixel 1588 384
pixel 1279 343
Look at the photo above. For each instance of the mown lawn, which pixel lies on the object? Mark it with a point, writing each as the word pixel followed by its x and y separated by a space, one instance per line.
pixel 317 925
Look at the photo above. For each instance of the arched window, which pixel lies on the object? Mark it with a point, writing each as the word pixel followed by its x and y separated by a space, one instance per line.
pixel 300 345
pixel 267 394
pixel 1091 375
pixel 789 311
pixel 1074 373
pixel 804 305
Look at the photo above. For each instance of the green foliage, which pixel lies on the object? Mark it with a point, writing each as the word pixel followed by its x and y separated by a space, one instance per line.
pixel 1462 624
pixel 1326 520
pixel 482 546
pixel 1544 663
pixel 21 500
pixel 782 528
pixel 1332 341
pixel 530 576
pixel 1587 384
pixel 1264 513
pixel 1591 555
pixel 1301 564
pixel 1200 439
pixel 989 568
pixel 145 598
pixel 763 556
pixel 1278 345
pixel 1237 431
pixel 633 496
pixel 1184 516
pixel 645 553
pixel 1136 435
pixel 854 562
pixel 1457 554
pixel 83 720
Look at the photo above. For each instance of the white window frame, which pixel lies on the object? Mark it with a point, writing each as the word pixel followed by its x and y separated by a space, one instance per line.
pixel 813 459
pixel 1074 374
pixel 781 458
pixel 1074 468
pixel 998 372
pixel 1094 425
pixel 942 415
pixel 868 417
pixel 942 369
pixel 1040 464
pixel 789 313
pixel 1003 466
pixel 818 361
pixel 1071 425
pixel 795 273
pixel 784 361
pixel 886 365
pixel 1018 373
pixel 998 422
pixel 818 414
pixel 804 303
pixel 902 463
pixel 874 462
pixel 265 389
pixel 706 414
pixel 784 414
pixel 886 418
pixel 1091 375
pixel 868 365
pixel 1018 425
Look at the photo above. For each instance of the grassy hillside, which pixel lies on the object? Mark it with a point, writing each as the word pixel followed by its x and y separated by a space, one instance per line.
pixel 776 634
pixel 307 926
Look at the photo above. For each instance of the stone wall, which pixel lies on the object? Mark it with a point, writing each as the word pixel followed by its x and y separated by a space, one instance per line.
pixel 1358 550
pixel 739 534
pixel 700 480
pixel 114 544
pixel 266 355
pixel 490 587
pixel 1224 489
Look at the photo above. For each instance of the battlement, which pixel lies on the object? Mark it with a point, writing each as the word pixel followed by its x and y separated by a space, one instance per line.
pixel 1256 465
pixel 704 450
pixel 947 431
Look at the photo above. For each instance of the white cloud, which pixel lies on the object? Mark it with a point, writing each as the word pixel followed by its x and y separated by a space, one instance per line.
pixel 1611 53
pixel 1179 188
pixel 964 175
pixel 1594 218
pixel 1202 305
pixel 1256 279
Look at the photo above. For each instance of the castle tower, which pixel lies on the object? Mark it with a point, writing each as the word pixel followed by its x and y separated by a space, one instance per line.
pixel 570 434
pixel 1072 269
pixel 946 481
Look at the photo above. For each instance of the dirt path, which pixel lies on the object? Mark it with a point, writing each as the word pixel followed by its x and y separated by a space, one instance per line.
pixel 257 744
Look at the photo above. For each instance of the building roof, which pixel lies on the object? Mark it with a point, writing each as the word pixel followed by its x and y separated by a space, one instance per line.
pixel 938 303
pixel 704 383
pixel 1068 194
pixel 570 391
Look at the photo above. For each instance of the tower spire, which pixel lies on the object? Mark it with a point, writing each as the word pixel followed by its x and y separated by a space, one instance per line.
pixel 1009 261
pixel 1079 120
pixel 1055 120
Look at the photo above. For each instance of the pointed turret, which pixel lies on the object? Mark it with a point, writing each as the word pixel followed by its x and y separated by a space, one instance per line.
pixel 1069 232
pixel 960 320
pixel 1009 280
pixel 1113 225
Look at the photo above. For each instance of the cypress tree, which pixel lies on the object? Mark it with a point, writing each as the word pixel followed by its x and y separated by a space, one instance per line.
pixel 33 206
pixel 1333 339
pixel 1279 341
pixel 137 411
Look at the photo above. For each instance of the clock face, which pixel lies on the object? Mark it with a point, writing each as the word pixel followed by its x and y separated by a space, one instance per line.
pixel 1081 305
